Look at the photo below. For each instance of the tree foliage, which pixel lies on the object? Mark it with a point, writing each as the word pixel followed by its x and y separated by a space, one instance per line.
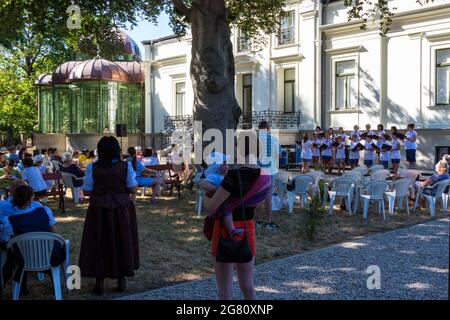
pixel 374 10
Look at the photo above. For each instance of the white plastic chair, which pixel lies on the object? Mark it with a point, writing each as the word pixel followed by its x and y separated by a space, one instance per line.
pixel 374 191
pixel 302 184
pixel 342 187
pixel 380 175
pixel 68 183
pixel 199 200
pixel 318 176
pixel 279 187
pixel 376 168
pixel 400 190
pixel 361 169
pixel 36 249
pixel 411 174
pixel 440 189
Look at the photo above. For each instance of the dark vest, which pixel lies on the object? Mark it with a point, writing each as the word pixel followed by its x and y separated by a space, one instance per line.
pixel 33 221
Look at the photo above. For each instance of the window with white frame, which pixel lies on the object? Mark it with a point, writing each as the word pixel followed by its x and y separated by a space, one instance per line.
pixel 287 28
pixel 243 42
pixel 289 90
pixel 247 93
pixel 443 76
pixel 345 85
pixel 180 96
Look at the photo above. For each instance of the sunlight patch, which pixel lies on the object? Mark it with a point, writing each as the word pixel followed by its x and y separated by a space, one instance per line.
pixel 267 290
pixel 419 286
pixel 352 245
pixel 433 269
pixel 69 219
pixel 310 287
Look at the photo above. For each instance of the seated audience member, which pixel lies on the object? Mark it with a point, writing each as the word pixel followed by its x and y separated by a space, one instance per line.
pixel 213 180
pixel 22 152
pixel 47 159
pixel 69 167
pixel 27 217
pixel 9 172
pixel 83 157
pixel 7 207
pixel 13 156
pixel 55 156
pixel 214 161
pixel 179 166
pixel 75 157
pixel 90 158
pixel 429 185
pixel 33 177
pixel 25 156
pixel 145 177
pixel 149 158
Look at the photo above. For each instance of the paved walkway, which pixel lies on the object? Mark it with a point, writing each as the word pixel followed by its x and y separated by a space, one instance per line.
pixel 413 264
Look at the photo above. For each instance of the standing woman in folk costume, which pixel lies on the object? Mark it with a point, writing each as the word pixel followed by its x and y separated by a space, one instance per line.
pixel 109 247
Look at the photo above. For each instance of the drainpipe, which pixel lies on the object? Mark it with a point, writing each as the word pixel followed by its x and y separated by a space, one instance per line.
pixel 318 63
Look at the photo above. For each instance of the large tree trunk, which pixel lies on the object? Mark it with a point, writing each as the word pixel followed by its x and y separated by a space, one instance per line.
pixel 212 67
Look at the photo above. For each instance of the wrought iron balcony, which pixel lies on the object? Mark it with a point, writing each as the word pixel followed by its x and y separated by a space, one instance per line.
pixel 244 44
pixel 276 119
pixel 286 35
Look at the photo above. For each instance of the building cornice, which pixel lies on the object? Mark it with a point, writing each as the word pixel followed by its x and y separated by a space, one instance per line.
pixel 169 61
pixel 288 58
pixel 343 50
pixel 407 16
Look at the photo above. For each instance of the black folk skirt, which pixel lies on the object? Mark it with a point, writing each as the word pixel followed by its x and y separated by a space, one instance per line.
pixel 110 243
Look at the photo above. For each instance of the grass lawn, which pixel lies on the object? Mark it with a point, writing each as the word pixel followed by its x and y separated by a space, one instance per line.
pixel 173 248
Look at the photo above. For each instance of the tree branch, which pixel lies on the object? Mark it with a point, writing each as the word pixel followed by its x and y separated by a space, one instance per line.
pixel 181 6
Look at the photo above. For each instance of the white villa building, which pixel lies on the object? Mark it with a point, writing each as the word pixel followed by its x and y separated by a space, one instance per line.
pixel 322 70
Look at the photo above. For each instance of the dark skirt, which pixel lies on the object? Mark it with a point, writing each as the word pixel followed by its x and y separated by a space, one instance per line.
pixel 110 244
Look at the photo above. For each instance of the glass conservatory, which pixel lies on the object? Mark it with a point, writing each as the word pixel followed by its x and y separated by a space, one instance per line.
pixel 92 96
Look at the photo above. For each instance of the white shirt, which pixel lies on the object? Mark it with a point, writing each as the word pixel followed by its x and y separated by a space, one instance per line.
pixel 369 152
pixel 150 161
pixel 395 154
pixel 384 154
pixel 355 133
pixel 306 150
pixel 327 152
pixel 409 145
pixel 379 134
pixel 33 176
pixel 353 154
pixel 369 133
pixel 344 136
pixel 340 151
pixel 316 150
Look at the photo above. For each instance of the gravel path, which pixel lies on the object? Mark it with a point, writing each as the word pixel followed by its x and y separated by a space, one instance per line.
pixel 413 263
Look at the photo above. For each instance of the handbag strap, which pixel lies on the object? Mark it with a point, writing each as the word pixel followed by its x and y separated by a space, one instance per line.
pixel 241 197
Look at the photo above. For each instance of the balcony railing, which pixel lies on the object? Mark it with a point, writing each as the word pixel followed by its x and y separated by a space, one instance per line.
pixel 286 36
pixel 243 44
pixel 276 119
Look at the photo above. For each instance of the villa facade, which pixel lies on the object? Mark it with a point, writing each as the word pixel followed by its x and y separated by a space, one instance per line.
pixel 323 70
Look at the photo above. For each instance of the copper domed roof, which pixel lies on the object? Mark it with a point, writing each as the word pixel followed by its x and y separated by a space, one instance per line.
pixel 44 79
pixel 61 74
pixel 98 69
pixel 134 70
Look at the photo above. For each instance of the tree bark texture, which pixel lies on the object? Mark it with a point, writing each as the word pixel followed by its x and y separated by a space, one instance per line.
pixel 212 67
